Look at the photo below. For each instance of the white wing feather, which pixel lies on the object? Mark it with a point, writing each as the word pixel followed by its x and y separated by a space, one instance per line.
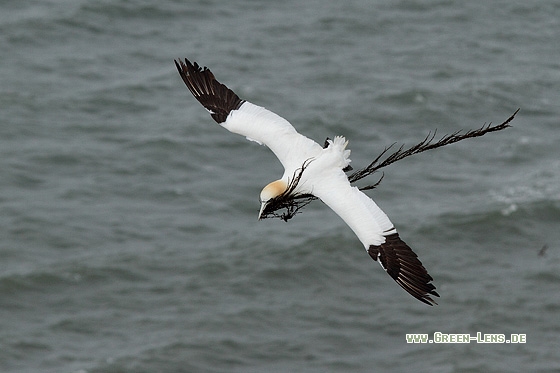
pixel 360 212
pixel 265 127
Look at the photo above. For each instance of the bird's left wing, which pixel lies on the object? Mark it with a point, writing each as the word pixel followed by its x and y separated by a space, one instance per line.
pixel 377 234
pixel 244 118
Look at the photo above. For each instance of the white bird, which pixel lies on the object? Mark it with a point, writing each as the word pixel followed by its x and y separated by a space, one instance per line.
pixel 312 170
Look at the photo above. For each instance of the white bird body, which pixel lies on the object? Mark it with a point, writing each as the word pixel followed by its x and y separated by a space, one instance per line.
pixel 323 176
pixel 310 169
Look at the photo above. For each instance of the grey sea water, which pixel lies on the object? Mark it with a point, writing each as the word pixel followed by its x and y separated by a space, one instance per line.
pixel 129 239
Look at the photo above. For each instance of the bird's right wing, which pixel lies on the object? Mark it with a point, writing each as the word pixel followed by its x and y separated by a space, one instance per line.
pixel 378 235
pixel 244 118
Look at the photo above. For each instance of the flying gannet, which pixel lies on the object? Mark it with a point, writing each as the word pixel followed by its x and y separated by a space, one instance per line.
pixel 310 169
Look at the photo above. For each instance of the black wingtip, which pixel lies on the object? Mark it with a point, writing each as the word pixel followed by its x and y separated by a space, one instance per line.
pixel 218 99
pixel 403 265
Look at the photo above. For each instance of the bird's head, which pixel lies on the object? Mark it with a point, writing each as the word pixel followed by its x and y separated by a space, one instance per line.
pixel 271 191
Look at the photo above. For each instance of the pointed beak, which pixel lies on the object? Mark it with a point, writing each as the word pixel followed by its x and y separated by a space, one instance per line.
pixel 263 206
